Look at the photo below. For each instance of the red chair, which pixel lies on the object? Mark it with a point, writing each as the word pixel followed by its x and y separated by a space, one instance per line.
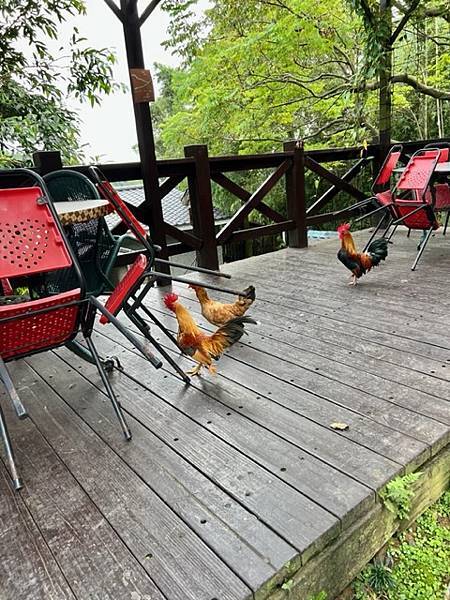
pixel 410 199
pixel 444 147
pixel 130 293
pixel 382 195
pixel 32 244
pixel 441 199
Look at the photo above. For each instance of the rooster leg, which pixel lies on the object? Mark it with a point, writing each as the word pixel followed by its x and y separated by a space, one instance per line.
pixel 195 370
pixel 354 280
pixel 212 369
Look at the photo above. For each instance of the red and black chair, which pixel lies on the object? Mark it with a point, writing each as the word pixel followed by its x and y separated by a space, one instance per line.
pixel 382 194
pixel 440 197
pixel 32 245
pixel 130 293
pixel 410 197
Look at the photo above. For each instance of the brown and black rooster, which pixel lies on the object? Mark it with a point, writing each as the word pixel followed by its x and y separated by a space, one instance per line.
pixel 219 313
pixel 194 342
pixel 359 263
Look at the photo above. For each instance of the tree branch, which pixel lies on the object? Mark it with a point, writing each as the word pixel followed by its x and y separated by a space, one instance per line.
pixel 421 87
pixel 408 14
pixel 442 10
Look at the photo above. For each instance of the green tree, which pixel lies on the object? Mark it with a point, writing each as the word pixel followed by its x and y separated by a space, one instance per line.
pixel 256 72
pixel 38 76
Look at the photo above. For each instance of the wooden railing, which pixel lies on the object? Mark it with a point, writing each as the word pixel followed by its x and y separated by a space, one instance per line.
pixel 291 167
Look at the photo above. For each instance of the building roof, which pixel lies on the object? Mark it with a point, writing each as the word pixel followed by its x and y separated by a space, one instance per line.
pixel 175 204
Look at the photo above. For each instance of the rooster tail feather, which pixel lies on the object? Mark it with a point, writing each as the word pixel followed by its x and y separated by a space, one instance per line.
pixel 378 251
pixel 249 293
pixel 227 335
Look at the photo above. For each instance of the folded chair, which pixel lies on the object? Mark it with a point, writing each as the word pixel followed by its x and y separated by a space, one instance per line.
pixel 93 243
pixel 141 277
pixel 441 198
pixel 410 198
pixel 382 195
pixel 33 244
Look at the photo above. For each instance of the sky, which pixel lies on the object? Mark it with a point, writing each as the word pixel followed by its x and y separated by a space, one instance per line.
pixel 109 129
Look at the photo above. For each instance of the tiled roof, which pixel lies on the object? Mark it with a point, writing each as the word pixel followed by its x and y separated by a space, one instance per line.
pixel 175 204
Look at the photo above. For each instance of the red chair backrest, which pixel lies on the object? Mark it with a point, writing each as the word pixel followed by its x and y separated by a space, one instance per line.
pixel 384 175
pixel 417 174
pixel 30 240
pixel 109 193
pixel 443 147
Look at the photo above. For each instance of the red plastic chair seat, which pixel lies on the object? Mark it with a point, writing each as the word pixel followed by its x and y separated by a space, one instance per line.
pixel 442 196
pixel 125 287
pixel 422 219
pixel 32 332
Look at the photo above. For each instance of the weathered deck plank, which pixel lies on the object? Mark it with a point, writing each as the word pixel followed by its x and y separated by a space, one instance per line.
pixel 86 548
pixel 237 483
pixel 183 568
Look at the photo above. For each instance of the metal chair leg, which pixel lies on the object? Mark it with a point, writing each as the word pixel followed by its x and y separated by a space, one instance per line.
pixel 82 352
pixel 145 330
pixel 12 393
pixel 422 248
pixel 163 328
pixel 409 233
pixel 109 390
pixel 446 221
pixel 374 233
pixel 9 452
pixel 392 233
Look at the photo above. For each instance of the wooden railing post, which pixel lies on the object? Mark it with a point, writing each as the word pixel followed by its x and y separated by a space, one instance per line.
pixel 202 207
pixel 296 196
pixel 46 162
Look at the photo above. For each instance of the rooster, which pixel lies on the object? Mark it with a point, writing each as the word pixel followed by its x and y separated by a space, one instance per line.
pixel 218 313
pixel 201 347
pixel 359 263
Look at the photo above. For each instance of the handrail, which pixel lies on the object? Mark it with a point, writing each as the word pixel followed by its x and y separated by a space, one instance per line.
pixel 200 170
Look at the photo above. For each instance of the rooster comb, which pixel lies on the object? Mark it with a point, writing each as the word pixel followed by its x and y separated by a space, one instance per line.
pixel 170 299
pixel 344 228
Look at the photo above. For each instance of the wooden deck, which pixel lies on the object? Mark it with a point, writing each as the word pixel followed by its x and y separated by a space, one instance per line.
pixel 237 487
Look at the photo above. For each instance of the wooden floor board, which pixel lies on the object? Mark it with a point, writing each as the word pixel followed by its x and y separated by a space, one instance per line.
pixel 238 483
pixel 307 333
pixel 294 344
pixel 181 486
pixel 86 548
pixel 28 569
pixel 185 567
pixel 241 477
pixel 311 434
pixel 411 411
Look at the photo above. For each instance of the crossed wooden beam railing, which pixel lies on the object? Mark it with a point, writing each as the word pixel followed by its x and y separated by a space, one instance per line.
pixel 201 171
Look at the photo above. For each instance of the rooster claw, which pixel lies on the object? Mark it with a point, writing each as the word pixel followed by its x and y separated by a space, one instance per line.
pixel 194 371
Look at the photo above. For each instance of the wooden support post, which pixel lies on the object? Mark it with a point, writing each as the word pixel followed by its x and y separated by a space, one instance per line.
pixel 46 162
pixel 202 207
pixel 152 205
pixel 296 196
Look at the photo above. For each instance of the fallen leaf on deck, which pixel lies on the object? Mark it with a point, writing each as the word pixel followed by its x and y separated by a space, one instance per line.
pixel 339 426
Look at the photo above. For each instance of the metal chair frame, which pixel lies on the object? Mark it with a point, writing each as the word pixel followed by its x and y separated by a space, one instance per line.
pixel 418 204
pixel 86 308
pixel 132 299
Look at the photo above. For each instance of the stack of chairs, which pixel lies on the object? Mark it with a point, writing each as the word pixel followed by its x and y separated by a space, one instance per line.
pixel 32 246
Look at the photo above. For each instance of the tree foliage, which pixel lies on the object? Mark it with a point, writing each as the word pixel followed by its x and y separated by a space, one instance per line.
pixel 38 74
pixel 257 72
